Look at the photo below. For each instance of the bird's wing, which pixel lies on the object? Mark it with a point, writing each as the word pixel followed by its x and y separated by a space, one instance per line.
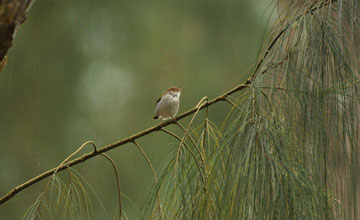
pixel 163 93
pixel 157 101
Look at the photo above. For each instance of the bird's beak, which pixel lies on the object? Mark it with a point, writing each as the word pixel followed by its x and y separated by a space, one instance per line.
pixel 181 89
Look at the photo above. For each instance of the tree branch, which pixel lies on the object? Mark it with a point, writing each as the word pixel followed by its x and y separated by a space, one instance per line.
pixel 124 141
pixel 158 127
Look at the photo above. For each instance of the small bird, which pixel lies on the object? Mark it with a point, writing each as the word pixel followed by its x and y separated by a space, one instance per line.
pixel 167 105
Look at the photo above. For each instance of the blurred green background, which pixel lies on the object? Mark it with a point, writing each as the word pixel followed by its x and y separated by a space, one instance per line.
pixel 90 70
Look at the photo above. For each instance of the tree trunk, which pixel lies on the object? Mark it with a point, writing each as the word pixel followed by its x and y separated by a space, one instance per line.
pixel 12 15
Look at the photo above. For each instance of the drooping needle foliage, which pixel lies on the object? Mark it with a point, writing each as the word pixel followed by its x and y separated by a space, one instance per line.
pixel 289 147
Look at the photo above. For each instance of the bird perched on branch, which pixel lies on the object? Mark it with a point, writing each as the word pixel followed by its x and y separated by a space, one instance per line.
pixel 167 105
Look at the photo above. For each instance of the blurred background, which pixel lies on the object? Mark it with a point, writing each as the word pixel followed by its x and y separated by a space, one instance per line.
pixel 84 70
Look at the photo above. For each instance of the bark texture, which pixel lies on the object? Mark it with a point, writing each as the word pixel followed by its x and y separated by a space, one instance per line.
pixel 12 15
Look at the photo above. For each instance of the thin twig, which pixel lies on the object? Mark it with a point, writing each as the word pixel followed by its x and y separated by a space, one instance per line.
pixel 155 178
pixel 191 139
pixel 189 149
pixel 75 152
pixel 117 181
pixel 204 136
pixel 199 105
pixel 148 161
pixel 189 136
pixel 232 103
pixel 204 155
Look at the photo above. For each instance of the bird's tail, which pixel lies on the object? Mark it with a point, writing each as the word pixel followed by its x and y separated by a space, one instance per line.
pixel 156 117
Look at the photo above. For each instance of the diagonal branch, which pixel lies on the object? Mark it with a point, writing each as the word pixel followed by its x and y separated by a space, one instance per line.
pixel 158 127
pixel 124 141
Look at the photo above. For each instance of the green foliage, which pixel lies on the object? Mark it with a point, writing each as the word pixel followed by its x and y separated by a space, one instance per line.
pixel 64 199
pixel 289 147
